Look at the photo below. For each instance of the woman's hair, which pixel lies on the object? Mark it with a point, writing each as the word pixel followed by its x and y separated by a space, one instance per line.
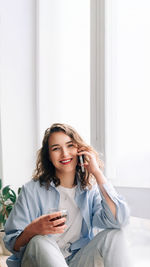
pixel 45 170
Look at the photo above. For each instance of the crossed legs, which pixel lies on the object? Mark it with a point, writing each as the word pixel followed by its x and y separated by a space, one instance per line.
pixel 108 248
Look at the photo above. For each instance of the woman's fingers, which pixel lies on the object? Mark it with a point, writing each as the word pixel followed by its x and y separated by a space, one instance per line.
pixel 87 156
pixel 53 215
pixel 57 221
pixel 57 228
pixel 90 161
pixel 49 224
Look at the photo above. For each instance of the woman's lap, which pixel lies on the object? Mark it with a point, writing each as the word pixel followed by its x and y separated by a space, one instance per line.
pixel 108 246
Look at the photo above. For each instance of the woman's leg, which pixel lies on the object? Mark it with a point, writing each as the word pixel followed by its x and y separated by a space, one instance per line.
pixel 110 245
pixel 43 251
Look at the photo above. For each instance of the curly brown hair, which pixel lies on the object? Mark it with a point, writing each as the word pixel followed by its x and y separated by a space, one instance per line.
pixel 45 170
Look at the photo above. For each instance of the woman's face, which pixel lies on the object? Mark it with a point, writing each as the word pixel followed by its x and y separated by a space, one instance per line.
pixel 62 152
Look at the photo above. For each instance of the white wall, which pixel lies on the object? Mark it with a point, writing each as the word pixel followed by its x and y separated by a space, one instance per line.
pixel 44 77
pixel 17 83
pixel 64 64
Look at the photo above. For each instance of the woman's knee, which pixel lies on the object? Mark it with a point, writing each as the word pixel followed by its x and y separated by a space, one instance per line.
pixel 114 248
pixel 116 236
pixel 34 251
pixel 110 238
pixel 35 239
pixel 34 242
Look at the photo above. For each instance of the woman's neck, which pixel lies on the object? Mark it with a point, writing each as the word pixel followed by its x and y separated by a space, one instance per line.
pixel 66 179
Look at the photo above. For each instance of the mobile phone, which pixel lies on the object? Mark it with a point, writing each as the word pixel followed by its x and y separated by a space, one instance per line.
pixel 81 158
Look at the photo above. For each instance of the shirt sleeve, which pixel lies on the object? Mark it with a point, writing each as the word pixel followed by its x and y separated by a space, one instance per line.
pixel 18 219
pixel 102 215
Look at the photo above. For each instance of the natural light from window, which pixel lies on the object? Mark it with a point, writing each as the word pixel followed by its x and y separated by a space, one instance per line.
pixel 128 92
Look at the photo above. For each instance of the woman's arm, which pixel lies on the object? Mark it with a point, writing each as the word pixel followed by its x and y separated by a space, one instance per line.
pixel 92 166
pixel 101 180
pixel 25 221
pixel 40 226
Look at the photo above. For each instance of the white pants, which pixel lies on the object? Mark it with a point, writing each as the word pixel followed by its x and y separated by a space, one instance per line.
pixel 108 248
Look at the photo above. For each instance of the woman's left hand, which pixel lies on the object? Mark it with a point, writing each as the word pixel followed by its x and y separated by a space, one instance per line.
pixel 90 162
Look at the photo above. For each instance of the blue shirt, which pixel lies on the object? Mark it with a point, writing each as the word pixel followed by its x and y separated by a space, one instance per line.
pixel 34 201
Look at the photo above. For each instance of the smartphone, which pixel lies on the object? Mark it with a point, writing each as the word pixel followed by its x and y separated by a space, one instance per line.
pixel 81 159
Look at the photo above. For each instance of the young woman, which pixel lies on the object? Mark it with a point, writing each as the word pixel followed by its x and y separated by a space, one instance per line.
pixel 38 237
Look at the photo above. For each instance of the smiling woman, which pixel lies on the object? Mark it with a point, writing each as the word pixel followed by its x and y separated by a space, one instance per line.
pixel 60 144
pixel 59 183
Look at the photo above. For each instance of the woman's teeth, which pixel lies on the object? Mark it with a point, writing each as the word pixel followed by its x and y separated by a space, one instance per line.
pixel 65 161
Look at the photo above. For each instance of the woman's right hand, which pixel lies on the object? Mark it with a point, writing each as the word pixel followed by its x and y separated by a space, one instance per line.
pixel 47 224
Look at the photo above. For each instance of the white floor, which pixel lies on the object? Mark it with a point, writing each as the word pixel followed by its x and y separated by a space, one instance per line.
pixel 138 234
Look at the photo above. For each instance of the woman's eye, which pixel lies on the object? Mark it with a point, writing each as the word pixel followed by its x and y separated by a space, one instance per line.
pixel 56 148
pixel 70 145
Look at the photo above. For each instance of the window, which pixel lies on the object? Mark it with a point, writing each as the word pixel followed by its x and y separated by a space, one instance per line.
pixel 120 82
pixel 127 96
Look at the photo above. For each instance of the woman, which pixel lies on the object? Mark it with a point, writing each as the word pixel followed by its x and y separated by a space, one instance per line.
pixel 38 237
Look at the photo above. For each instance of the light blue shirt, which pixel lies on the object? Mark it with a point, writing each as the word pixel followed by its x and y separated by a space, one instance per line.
pixel 34 201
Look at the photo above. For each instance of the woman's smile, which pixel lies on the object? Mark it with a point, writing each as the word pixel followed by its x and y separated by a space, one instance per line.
pixel 65 161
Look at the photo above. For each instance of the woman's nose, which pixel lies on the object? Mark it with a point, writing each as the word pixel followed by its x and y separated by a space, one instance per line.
pixel 64 152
